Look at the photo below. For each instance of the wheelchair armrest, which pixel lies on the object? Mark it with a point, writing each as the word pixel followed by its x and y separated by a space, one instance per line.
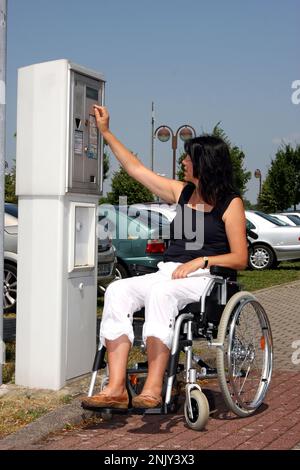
pixel 224 272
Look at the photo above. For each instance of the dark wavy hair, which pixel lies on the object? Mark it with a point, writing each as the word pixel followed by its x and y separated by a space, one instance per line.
pixel 212 166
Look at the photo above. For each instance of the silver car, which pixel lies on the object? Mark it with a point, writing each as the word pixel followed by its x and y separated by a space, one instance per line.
pixel 276 241
pixel 10 257
pixel 290 219
pixel 106 259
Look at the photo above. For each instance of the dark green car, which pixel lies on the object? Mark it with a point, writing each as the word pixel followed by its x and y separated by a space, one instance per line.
pixel 136 235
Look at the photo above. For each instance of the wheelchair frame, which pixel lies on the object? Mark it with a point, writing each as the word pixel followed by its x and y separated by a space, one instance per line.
pixel 217 318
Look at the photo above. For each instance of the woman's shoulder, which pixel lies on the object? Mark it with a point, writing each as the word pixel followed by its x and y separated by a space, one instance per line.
pixel 226 200
pixel 229 197
pixel 186 192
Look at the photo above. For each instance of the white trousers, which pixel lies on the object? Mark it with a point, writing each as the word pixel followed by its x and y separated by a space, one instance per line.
pixel 161 296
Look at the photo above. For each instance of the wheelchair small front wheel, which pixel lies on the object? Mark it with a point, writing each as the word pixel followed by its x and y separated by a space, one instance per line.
pixel 200 410
pixel 244 363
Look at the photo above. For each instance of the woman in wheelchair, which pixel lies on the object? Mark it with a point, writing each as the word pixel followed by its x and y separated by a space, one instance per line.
pixel 183 276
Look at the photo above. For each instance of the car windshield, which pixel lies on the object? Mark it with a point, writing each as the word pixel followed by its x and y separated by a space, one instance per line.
pixel 293 218
pixel 278 218
pixel 11 209
pixel 271 219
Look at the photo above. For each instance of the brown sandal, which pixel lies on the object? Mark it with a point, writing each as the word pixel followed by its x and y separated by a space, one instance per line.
pixel 146 400
pixel 102 400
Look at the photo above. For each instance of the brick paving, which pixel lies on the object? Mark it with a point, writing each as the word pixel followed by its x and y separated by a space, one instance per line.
pixel 276 425
pixel 282 303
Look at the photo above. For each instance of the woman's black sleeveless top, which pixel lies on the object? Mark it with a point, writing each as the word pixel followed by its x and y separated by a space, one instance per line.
pixel 214 237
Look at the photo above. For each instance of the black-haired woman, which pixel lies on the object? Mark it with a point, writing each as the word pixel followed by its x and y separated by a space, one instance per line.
pixel 184 273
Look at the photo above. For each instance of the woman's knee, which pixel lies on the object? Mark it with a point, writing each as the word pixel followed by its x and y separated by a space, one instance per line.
pixel 122 299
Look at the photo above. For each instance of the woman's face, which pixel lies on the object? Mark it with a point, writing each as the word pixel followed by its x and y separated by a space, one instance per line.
pixel 188 170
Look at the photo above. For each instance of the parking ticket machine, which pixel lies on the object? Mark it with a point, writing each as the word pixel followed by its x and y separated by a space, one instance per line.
pixel 59 180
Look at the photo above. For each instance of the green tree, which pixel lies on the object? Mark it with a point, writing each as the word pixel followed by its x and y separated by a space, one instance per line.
pixel 10 186
pixel 266 200
pixel 180 172
pixel 249 206
pixel 10 183
pixel 106 163
pixel 281 188
pixel 240 175
pixel 124 185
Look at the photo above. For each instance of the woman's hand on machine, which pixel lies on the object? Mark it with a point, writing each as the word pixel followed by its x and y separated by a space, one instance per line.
pixel 102 118
pixel 186 268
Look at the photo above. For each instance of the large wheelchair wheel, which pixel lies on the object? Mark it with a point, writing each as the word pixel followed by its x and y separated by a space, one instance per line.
pixel 200 410
pixel 244 363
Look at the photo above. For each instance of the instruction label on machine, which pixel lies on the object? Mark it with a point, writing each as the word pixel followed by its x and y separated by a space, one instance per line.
pixel 93 138
pixel 78 142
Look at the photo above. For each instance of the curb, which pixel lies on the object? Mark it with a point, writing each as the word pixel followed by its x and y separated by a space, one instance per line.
pixel 42 427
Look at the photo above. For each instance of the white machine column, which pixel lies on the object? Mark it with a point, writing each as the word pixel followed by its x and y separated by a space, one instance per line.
pixel 59 180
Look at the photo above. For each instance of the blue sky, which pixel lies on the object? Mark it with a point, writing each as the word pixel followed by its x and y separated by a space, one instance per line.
pixel 199 61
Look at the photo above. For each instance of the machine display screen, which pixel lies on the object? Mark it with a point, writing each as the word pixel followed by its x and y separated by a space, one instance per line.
pixel 92 93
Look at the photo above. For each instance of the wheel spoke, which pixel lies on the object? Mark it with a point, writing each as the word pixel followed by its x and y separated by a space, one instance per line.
pixel 241 388
pixel 10 299
pixel 8 277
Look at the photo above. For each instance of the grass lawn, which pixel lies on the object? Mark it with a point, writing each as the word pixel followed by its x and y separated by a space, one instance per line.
pixel 19 409
pixel 255 280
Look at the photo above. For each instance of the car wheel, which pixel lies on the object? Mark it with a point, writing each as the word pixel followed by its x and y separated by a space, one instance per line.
pixel 9 288
pixel 261 257
pixel 121 272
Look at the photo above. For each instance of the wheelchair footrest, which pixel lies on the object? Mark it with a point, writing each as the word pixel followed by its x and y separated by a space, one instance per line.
pixel 135 411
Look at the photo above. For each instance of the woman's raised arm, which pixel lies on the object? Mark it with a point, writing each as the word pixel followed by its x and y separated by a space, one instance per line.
pixel 166 188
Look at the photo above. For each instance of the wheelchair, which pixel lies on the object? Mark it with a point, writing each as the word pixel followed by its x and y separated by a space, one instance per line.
pixel 236 326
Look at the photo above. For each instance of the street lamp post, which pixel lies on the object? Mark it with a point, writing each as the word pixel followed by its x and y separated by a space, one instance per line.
pixel 164 133
pixel 257 174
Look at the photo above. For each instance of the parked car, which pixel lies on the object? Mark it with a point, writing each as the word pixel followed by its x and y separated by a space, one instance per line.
pixel 276 241
pixel 297 213
pixel 294 216
pixel 137 236
pixel 10 257
pixel 106 259
pixel 167 210
pixel 289 219
pixel 137 254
